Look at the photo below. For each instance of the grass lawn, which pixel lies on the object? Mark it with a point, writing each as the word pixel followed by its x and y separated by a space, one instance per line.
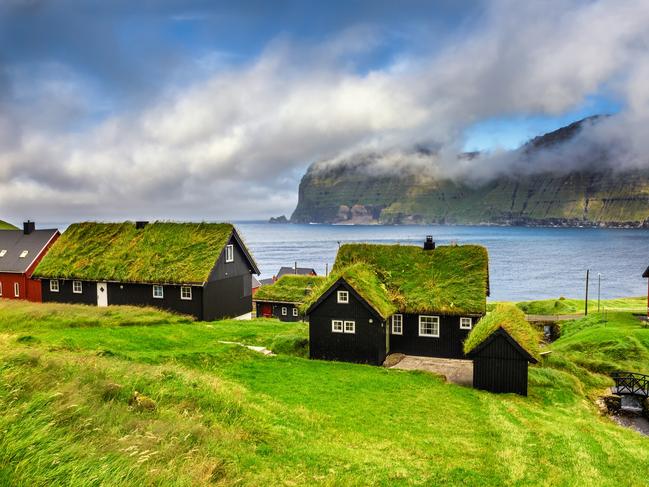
pixel 567 306
pixel 225 415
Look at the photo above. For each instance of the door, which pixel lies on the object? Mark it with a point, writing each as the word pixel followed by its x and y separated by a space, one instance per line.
pixel 266 310
pixel 102 294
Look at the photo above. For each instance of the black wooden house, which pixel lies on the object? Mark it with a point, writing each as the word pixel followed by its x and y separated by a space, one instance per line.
pixel 283 298
pixel 384 299
pixel 501 347
pixel 199 269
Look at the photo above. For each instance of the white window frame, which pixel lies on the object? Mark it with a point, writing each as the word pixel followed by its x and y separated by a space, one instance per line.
pixel 54 286
pixel 466 323
pixel 284 311
pixel 3 252
pixel 337 326
pixel 295 312
pixel 0 289
pixel 349 329
pixel 400 324
pixel 184 295
pixel 23 254
pixel 161 289
pixel 342 297
pixel 16 289
pixel 229 253
pixel 74 287
pixel 434 321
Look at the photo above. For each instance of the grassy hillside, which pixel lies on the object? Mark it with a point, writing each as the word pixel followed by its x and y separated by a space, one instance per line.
pixel 6 226
pixel 569 306
pixel 223 414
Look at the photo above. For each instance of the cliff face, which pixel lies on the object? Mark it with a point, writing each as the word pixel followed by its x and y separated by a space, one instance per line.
pixel 582 198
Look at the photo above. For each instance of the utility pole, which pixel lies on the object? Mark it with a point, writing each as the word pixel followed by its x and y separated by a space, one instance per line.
pixel 599 289
pixel 586 301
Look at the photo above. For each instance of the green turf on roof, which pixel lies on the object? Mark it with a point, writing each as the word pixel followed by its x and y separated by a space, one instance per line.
pixel 288 289
pixel 512 320
pixel 160 252
pixel 365 282
pixel 7 226
pixel 451 279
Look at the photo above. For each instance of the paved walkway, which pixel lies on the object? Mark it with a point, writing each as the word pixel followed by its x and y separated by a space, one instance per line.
pixel 456 371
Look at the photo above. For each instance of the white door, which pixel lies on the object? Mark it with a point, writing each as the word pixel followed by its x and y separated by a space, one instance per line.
pixel 102 294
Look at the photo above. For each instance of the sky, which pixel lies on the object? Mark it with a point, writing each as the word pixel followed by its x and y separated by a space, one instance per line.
pixel 203 110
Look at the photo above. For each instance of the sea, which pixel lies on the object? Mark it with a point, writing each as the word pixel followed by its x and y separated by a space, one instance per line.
pixel 525 263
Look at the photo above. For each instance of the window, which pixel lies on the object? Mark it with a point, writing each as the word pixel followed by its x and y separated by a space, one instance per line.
pixel 350 327
pixel 284 311
pixel 429 326
pixel 23 254
pixel 16 289
pixel 397 324
pixel 186 293
pixel 294 311
pixel 3 252
pixel 466 323
pixel 77 287
pixel 158 292
pixel 336 326
pixel 229 253
pixel 343 297
pixel 0 289
pixel 54 286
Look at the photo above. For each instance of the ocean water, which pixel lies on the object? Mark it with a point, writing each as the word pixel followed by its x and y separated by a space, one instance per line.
pixel 524 263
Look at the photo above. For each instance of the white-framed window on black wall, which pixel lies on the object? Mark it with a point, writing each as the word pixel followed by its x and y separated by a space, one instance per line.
pixel 397 324
pixel 158 291
pixel 343 297
pixel 337 326
pixel 229 253
pixel 429 326
pixel 466 323
pixel 16 290
pixel 350 327
pixel 54 286
pixel 186 293
pixel 284 311
pixel 77 287
pixel 295 312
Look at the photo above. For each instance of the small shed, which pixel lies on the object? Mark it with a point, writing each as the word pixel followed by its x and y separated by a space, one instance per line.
pixel 501 347
pixel 283 298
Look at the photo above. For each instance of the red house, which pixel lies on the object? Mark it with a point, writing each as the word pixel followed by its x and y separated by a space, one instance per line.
pixel 20 253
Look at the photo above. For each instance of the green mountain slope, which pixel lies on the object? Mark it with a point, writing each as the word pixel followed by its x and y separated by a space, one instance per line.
pixel 347 194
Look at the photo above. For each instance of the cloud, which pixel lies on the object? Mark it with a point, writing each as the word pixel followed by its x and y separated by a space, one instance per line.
pixel 234 144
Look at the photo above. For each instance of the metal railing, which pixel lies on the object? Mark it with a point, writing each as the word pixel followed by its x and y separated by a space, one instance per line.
pixel 631 383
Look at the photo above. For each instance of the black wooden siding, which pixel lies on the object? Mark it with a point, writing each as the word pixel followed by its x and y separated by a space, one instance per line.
pixel 367 345
pixel 276 311
pixel 65 294
pixel 449 344
pixel 227 298
pixel 500 367
pixel 142 295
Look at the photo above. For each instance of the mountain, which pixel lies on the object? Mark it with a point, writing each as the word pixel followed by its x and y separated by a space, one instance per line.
pixel 345 193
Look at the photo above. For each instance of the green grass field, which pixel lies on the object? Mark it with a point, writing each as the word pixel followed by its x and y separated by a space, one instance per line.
pixel 225 415
pixel 567 306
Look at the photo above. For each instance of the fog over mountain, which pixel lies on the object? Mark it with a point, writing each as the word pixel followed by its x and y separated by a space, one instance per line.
pixel 171 121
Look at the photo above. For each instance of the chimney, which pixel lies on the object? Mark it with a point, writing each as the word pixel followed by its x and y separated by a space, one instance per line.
pixel 28 227
pixel 140 225
pixel 429 244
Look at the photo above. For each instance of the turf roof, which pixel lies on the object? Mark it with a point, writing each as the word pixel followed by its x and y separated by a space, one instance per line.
pixel 365 282
pixel 7 226
pixel 450 280
pixel 512 320
pixel 161 252
pixel 288 289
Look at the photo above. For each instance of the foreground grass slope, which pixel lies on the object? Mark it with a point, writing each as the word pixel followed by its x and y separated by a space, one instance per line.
pixel 226 415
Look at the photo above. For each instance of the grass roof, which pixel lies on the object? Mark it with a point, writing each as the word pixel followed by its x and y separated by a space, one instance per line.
pixel 512 320
pixel 451 279
pixel 365 282
pixel 160 252
pixel 288 289
pixel 7 226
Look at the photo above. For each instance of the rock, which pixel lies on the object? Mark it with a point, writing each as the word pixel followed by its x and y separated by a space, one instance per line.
pixel 609 404
pixel 140 402
pixel 393 359
pixel 111 391
pixel 278 219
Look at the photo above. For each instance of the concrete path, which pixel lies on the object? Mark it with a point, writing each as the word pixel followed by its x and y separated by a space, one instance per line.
pixel 457 371
pixel 262 350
